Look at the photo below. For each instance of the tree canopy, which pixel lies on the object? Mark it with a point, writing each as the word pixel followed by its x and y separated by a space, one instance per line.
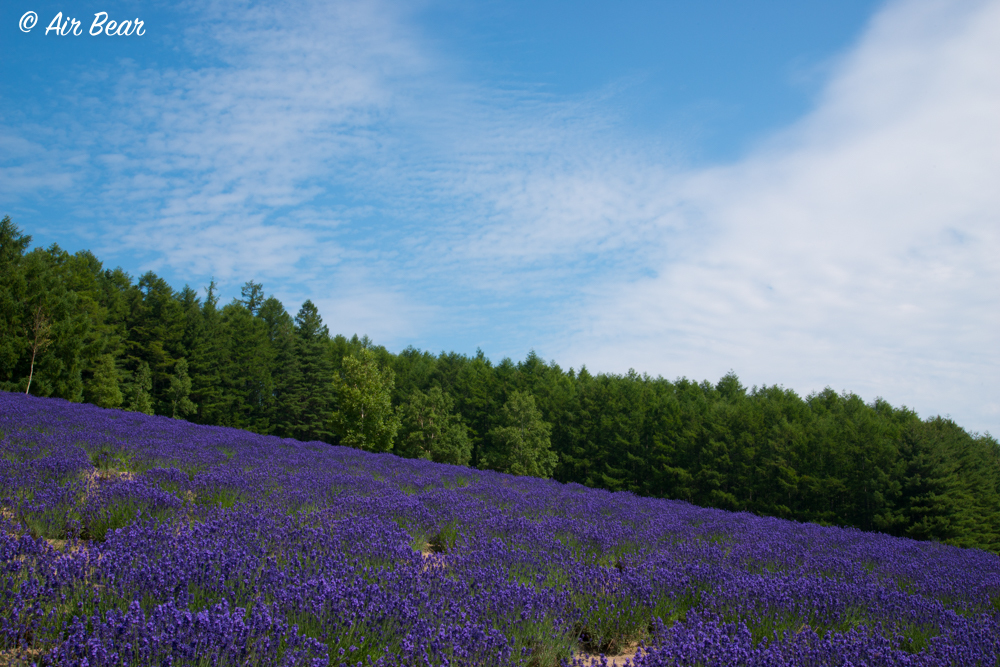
pixel 79 331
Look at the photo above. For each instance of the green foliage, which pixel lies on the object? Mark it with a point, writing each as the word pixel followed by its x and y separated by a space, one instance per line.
pixel 137 397
pixel 253 296
pixel 55 321
pixel 55 522
pixel 204 350
pixel 180 390
pixel 520 445
pixel 948 485
pixel 311 394
pixel 156 328
pixel 246 372
pixel 443 541
pixel 103 389
pixel 364 417
pixel 13 292
pixel 79 331
pixel 286 411
pixel 429 429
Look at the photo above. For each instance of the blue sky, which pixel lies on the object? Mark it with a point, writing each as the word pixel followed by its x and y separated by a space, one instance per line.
pixel 804 193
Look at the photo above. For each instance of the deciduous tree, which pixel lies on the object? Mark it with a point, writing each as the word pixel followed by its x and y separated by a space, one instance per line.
pixel 520 445
pixel 429 429
pixel 364 417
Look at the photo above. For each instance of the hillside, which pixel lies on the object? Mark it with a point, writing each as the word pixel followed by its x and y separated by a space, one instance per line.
pixel 69 328
pixel 140 540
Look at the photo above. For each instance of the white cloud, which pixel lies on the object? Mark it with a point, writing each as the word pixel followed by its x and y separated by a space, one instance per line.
pixel 323 149
pixel 213 169
pixel 856 250
pixel 30 165
pixel 379 314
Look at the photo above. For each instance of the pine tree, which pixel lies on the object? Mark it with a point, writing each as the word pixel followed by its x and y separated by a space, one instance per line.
pixel 246 375
pixel 137 396
pixel 477 392
pixel 253 296
pixel 13 291
pixel 103 388
pixel 313 393
pixel 157 328
pixel 180 390
pixel 286 407
pixel 206 353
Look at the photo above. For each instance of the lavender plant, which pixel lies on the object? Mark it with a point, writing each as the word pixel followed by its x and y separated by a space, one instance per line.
pixel 127 539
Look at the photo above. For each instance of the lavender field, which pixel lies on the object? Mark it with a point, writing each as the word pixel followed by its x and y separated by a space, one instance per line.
pixel 134 540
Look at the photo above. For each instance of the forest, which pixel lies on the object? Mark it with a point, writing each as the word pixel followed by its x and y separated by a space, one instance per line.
pixel 72 329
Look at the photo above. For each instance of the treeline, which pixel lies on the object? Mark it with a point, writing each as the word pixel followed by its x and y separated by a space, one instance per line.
pixel 71 328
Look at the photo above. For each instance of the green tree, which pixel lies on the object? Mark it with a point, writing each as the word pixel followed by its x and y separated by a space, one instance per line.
pixel 286 406
pixel 137 397
pixel 59 316
pixel 315 368
pixel 205 351
pixel 413 369
pixel 157 326
pixel 103 389
pixel 364 417
pixel 13 288
pixel 247 386
pixel 950 485
pixel 476 388
pixel 40 338
pixel 520 445
pixel 429 429
pixel 253 296
pixel 180 391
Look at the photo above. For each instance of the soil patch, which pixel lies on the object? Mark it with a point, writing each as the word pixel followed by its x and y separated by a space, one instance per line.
pixel 628 654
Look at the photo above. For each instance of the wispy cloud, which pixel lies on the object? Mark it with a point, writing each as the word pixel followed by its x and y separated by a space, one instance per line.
pixel 857 249
pixel 328 150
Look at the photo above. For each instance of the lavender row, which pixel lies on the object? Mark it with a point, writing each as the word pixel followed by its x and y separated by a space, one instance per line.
pixel 128 539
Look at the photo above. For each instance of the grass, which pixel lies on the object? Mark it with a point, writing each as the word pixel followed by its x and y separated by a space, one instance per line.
pixel 444 540
pixel 220 496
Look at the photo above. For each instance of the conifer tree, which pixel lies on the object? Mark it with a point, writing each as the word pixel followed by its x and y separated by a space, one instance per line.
pixel 253 296
pixel 206 353
pixel 314 402
pixel 246 376
pixel 477 391
pixel 157 330
pixel 103 388
pixel 180 390
pixel 286 407
pixel 137 396
pixel 13 288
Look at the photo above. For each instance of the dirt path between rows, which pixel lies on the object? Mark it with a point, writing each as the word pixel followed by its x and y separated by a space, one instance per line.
pixel 591 660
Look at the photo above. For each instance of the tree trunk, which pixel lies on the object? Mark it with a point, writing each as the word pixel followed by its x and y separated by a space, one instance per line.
pixel 40 328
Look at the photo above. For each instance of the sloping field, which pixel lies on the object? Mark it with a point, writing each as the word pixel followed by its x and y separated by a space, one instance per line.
pixel 128 539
